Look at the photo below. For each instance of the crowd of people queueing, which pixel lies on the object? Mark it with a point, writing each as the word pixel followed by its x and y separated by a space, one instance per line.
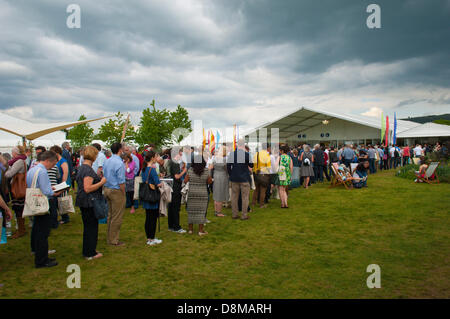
pixel 228 174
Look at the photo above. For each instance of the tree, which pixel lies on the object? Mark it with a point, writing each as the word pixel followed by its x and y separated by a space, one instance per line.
pixel 80 135
pixel 160 126
pixel 111 130
pixel 442 121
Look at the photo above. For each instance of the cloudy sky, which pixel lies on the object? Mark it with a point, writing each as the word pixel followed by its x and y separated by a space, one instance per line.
pixel 226 61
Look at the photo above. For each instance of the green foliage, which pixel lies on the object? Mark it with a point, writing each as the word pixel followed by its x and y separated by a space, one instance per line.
pixel 442 121
pixel 158 126
pixel 111 131
pixel 80 135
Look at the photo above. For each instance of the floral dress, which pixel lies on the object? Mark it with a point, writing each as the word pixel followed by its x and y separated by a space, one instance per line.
pixel 285 169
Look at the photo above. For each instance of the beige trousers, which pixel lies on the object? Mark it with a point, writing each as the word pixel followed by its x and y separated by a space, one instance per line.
pixel 116 203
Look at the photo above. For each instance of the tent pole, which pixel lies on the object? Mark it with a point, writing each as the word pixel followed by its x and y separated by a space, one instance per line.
pixel 24 142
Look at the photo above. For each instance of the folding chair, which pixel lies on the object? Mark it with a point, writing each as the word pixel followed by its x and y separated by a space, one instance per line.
pixel 339 179
pixel 429 173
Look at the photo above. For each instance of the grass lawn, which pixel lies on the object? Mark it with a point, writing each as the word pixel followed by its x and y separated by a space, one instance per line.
pixel 318 248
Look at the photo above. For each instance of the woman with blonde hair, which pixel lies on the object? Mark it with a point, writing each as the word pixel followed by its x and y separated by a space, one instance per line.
pixel 17 171
pixel 221 192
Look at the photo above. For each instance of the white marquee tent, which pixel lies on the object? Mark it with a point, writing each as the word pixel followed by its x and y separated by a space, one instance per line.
pixel 13 131
pixel 314 125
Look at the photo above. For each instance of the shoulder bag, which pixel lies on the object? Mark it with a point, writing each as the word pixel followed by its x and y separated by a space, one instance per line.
pixel 148 192
pixel 36 203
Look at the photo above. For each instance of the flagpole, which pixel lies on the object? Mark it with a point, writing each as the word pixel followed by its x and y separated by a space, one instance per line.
pixel 125 128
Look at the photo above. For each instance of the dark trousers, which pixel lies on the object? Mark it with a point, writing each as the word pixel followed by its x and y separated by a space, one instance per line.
pixel 39 238
pixel 386 164
pixel 173 214
pixel 90 232
pixel 130 201
pixel 53 203
pixel 405 160
pixel 318 173
pixel 151 217
pixel 347 163
pixel 372 167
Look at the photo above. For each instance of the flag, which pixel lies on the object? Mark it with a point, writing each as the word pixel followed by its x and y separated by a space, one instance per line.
pixel 383 127
pixel 387 131
pixel 217 137
pixel 394 140
pixel 204 141
pixel 212 144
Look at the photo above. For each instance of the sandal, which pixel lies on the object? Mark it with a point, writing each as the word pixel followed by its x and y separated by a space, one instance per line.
pixel 190 232
pixel 203 234
pixel 220 215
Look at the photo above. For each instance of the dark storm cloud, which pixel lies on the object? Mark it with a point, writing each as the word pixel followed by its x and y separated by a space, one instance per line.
pixel 221 57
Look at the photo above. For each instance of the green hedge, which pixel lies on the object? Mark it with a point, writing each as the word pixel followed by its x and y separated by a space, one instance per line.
pixel 443 172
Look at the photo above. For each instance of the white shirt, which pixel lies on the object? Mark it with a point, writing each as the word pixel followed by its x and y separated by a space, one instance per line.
pixel 418 151
pixel 99 161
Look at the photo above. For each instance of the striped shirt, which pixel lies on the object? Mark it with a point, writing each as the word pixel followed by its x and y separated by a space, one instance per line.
pixel 53 174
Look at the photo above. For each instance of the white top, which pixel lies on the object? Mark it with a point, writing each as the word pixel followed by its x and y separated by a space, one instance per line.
pixel 417 151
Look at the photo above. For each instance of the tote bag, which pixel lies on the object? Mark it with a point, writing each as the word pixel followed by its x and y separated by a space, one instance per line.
pixel 137 183
pixel 100 206
pixel 65 205
pixel 36 203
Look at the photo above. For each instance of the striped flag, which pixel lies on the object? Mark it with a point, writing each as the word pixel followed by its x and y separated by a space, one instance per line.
pixel 212 143
pixel 204 141
pixel 383 127
pixel 217 137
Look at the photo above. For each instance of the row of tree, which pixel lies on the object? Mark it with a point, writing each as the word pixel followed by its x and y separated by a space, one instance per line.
pixel 161 127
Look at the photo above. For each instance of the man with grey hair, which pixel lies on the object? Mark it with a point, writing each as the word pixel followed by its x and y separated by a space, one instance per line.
pixel 238 165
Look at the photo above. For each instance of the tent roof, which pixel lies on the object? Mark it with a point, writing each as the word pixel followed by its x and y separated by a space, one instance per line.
pixel 33 131
pixel 426 130
pixel 306 118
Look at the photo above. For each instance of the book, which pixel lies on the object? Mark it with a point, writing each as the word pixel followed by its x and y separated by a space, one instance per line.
pixel 61 187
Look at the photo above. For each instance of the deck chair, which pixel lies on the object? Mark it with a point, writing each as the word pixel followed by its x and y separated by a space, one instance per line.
pixel 429 173
pixel 353 167
pixel 339 179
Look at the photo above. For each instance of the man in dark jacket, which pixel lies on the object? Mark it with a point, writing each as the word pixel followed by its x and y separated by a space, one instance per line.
pixel 238 164
pixel 319 163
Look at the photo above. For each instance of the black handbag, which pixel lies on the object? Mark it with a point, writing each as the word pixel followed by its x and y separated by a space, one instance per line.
pixel 147 194
pixel 100 206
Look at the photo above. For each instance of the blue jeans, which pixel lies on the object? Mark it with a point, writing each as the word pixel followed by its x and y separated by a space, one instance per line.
pixel 372 167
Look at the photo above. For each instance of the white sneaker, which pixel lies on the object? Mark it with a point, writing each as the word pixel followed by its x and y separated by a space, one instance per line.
pixel 151 242
pixel 208 221
pixel 180 231
pixel 158 241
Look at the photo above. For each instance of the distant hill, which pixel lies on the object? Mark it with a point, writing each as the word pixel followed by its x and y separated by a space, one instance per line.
pixel 429 118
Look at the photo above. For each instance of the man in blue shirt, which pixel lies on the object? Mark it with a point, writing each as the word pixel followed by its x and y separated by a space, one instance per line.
pixel 348 155
pixel 114 172
pixel 41 224
pixel 97 166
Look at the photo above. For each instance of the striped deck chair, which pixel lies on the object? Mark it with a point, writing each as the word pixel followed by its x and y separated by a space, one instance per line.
pixel 339 179
pixel 429 174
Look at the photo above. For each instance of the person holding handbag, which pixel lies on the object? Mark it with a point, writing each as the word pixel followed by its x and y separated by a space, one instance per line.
pixel 151 180
pixel 41 223
pixel 17 172
pixel 89 185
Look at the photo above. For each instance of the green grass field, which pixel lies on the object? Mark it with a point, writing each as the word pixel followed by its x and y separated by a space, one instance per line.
pixel 318 248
